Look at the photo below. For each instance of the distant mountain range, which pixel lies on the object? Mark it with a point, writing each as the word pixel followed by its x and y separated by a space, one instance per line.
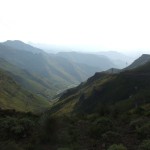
pixel 48 74
pixel 99 61
pixel 119 59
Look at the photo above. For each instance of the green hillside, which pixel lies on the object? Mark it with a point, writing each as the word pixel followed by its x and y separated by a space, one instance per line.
pixel 13 96
pixel 29 81
pixel 128 87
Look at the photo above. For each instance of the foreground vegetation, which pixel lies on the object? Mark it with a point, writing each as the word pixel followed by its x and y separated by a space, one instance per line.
pixel 108 131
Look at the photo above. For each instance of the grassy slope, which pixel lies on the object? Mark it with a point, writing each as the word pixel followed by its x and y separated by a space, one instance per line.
pixel 12 96
pixel 28 80
pixel 125 90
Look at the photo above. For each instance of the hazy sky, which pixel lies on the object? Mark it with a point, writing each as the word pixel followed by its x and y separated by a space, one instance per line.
pixel 104 24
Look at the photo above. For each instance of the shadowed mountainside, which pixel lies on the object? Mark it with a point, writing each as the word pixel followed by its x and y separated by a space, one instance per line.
pixel 130 87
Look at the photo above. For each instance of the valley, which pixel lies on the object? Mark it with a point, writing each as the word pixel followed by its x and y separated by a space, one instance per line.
pixel 72 100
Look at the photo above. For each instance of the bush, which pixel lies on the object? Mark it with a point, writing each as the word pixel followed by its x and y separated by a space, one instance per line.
pixel 11 127
pixel 48 129
pixel 9 146
pixel 101 126
pixel 144 131
pixel 139 111
pixel 145 145
pixel 111 137
pixel 135 124
pixel 117 147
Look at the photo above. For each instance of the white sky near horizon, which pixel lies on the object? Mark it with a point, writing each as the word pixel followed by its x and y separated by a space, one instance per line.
pixel 122 25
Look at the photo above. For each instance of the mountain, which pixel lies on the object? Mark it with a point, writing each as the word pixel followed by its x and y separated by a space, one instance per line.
pixel 126 90
pixel 13 96
pixel 29 81
pixel 16 44
pixel 143 59
pixel 53 49
pixel 100 62
pixel 51 71
pixel 140 61
pixel 119 59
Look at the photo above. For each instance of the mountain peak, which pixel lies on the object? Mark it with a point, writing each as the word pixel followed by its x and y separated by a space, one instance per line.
pixel 145 55
pixel 143 59
pixel 17 44
pixel 13 41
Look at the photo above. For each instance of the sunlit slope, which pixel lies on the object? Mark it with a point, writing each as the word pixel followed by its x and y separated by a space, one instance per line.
pixel 13 96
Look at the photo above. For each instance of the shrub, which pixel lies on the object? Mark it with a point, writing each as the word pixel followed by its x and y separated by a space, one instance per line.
pixel 47 129
pixel 9 146
pixel 144 131
pixel 111 137
pixel 136 123
pixel 117 147
pixel 101 126
pixel 139 111
pixel 145 145
pixel 15 128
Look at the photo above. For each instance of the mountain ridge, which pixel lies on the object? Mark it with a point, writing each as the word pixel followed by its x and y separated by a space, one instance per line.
pixel 57 71
pixel 105 88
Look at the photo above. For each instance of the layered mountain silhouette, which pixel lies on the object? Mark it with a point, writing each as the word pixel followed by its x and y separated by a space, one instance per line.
pixel 48 74
pixel 119 59
pixel 99 61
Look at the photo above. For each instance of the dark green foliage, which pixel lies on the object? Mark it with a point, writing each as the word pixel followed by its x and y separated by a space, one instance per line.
pixel 144 131
pixel 139 111
pixel 9 145
pixel 138 123
pixel 111 137
pixel 100 126
pixel 16 128
pixel 117 147
pixel 47 129
pixel 145 145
